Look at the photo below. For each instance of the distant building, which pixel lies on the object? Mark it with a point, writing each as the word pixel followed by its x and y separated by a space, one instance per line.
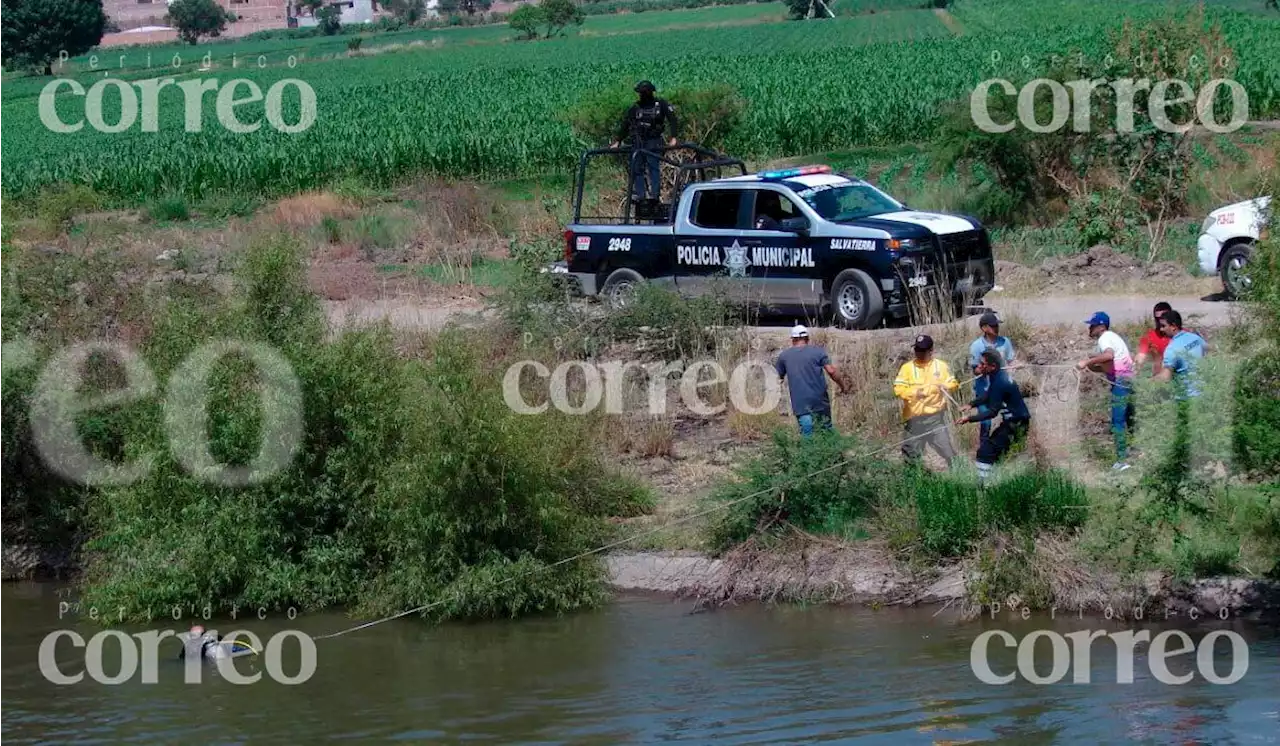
pixel 144 21
pixel 353 12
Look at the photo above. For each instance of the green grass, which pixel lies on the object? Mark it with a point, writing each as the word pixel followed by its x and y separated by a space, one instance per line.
pixel 469 103
pixel 482 271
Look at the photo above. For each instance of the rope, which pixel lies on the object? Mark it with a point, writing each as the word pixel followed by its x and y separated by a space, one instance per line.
pixel 640 535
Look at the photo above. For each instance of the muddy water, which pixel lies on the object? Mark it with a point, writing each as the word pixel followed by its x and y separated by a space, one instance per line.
pixel 642 670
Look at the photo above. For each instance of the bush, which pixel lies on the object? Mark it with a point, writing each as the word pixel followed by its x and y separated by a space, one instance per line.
pixel 1256 415
pixel 173 207
pixel 412 483
pixel 804 482
pixel 683 327
pixel 939 515
pixel 953 512
pixel 1109 216
pixel 707 115
pixel 329 19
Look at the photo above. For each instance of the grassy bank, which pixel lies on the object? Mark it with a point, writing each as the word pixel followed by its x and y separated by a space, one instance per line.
pixel 362 470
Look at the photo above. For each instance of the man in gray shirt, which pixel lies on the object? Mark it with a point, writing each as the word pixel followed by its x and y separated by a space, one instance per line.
pixel 802 367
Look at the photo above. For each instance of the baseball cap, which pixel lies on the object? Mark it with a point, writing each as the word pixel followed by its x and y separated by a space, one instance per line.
pixel 1098 317
pixel 799 330
pixel 645 85
pixel 924 342
pixel 988 319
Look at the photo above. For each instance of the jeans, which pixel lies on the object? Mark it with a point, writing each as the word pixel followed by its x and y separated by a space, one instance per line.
pixel 1005 437
pixel 1121 415
pixel 646 168
pixel 984 427
pixel 807 421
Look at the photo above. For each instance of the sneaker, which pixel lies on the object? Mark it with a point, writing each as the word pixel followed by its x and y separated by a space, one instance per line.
pixel 1119 466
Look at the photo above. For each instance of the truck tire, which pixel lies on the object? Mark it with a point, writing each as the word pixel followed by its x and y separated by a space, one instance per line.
pixel 1231 267
pixel 856 302
pixel 619 287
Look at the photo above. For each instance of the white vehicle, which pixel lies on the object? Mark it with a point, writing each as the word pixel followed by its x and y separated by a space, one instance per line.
pixel 1227 239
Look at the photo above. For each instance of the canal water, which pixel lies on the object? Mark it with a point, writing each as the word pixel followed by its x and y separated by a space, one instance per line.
pixel 642 670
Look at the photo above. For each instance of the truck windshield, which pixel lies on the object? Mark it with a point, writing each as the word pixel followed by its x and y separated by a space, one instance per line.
pixel 842 202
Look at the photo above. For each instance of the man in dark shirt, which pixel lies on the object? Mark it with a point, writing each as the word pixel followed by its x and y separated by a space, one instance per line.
pixel 642 128
pixel 1002 397
pixel 802 367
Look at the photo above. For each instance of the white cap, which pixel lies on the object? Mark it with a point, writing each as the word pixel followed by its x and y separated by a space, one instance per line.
pixel 798 331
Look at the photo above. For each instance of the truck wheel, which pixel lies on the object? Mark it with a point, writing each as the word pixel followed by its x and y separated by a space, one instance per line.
pixel 1234 260
pixel 620 287
pixel 856 302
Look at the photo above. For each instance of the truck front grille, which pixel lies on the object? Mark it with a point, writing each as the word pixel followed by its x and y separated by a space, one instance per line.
pixel 962 247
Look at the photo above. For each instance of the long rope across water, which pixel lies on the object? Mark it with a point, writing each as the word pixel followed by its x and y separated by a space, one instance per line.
pixel 665 526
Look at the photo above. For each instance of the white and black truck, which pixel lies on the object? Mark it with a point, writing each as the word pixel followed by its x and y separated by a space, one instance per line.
pixel 802 238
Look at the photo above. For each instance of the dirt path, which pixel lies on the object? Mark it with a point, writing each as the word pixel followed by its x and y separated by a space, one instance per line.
pixel 412 314
pixel 951 22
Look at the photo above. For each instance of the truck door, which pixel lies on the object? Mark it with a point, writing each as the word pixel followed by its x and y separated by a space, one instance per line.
pixel 783 269
pixel 709 251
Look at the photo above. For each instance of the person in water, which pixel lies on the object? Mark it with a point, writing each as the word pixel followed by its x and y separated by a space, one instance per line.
pixel 199 643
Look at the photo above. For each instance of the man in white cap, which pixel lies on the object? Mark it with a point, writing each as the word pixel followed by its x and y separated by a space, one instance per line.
pixel 802 367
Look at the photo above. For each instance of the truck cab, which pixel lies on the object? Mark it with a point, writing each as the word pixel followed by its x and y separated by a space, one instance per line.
pixel 803 239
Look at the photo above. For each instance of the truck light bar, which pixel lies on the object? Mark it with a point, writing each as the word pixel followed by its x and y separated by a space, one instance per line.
pixel 790 172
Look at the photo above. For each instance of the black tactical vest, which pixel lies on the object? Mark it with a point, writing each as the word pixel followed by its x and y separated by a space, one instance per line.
pixel 647 120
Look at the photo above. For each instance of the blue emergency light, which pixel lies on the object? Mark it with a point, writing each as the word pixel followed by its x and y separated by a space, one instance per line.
pixel 790 172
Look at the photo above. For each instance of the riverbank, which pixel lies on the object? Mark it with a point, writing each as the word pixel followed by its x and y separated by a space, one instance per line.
pixel 850 575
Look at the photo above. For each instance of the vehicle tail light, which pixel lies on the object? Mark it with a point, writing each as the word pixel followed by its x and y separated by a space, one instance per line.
pixel 568 245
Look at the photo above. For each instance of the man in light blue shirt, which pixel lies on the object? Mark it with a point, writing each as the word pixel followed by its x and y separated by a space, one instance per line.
pixel 990 340
pixel 1182 356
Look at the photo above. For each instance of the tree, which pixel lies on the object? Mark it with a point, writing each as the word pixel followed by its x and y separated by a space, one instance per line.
pixel 470 7
pixel 526 19
pixel 409 11
pixel 197 18
pixel 557 14
pixel 35 31
pixel 809 9
pixel 330 18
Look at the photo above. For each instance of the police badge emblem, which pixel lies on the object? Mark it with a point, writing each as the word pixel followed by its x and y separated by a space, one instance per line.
pixel 736 261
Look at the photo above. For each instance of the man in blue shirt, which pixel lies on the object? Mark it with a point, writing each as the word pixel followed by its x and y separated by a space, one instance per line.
pixel 1002 397
pixel 989 324
pixel 802 366
pixel 1182 356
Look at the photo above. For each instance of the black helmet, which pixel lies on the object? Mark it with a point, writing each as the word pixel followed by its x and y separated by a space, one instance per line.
pixel 645 86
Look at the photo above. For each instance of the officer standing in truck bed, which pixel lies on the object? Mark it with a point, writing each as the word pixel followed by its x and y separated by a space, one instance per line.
pixel 642 128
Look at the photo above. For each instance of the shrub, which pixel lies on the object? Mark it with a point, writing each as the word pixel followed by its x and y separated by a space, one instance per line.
pixel 173 207
pixel 708 115
pixel 804 482
pixel 1256 415
pixel 681 327
pixel 412 482
pixel 815 485
pixel 953 511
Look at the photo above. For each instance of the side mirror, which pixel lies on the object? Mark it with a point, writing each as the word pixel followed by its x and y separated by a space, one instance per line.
pixel 795 225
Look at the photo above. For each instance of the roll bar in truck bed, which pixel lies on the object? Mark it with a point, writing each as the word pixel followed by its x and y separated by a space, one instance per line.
pixel 695 169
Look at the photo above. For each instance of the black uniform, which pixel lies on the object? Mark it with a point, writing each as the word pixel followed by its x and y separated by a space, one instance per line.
pixel 643 128
pixel 1002 396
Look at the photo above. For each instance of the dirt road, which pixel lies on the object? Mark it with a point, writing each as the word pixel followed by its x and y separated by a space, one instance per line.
pixel 409 314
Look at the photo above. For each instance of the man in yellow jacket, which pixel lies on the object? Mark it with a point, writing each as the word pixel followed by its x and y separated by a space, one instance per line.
pixel 920 385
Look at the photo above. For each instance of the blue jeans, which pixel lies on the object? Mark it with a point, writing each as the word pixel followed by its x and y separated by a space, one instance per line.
pixel 1121 414
pixel 807 421
pixel 984 427
pixel 647 168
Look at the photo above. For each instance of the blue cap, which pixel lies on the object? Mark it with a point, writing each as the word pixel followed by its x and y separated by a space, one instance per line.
pixel 1098 317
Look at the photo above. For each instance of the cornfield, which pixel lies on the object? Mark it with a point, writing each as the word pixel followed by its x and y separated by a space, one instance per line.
pixel 494 110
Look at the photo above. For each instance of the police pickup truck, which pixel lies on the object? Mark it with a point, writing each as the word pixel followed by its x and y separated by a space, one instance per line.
pixel 802 238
